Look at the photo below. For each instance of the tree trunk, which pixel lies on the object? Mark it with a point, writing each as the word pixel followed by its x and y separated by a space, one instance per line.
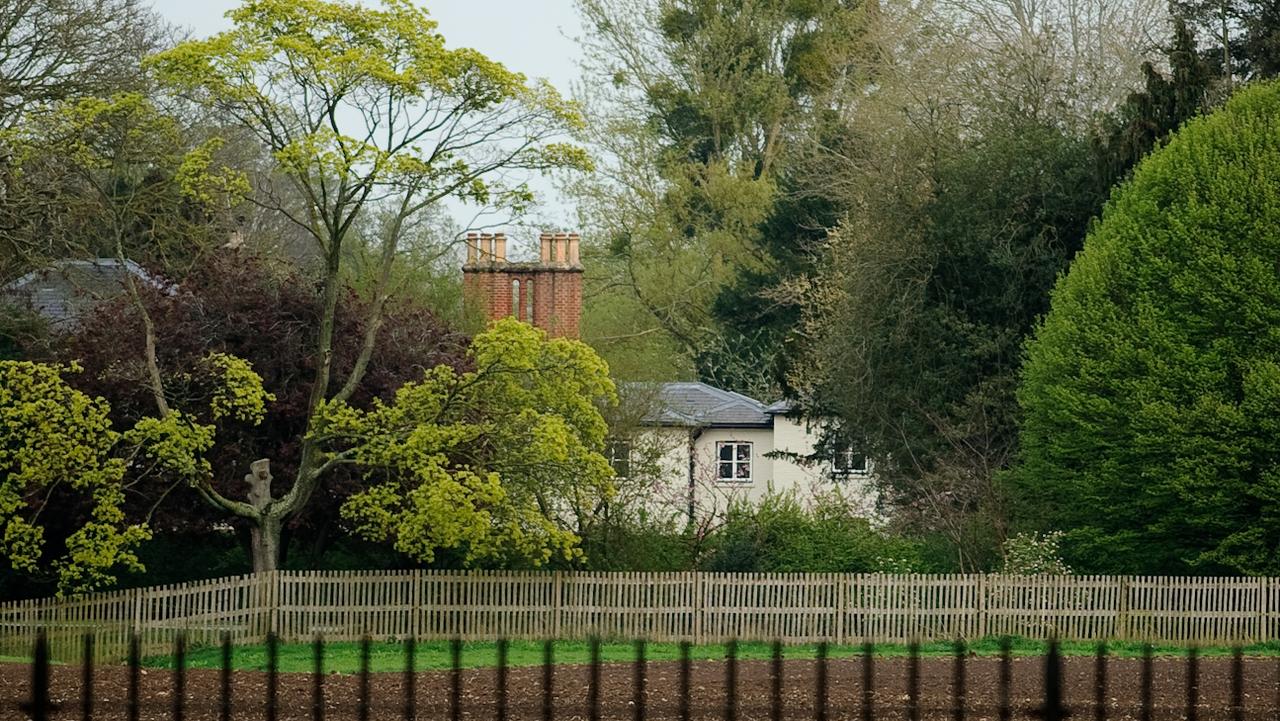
pixel 264 535
pixel 264 539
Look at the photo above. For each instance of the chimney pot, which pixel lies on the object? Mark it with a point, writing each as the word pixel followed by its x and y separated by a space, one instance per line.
pixel 500 247
pixel 544 248
pixel 562 247
pixel 574 243
pixel 473 246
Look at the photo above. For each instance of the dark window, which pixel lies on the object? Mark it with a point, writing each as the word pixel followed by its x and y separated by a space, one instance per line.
pixel 733 461
pixel 619 454
pixel 848 461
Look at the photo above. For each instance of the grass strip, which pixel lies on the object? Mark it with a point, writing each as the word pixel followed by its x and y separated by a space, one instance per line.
pixel 344 657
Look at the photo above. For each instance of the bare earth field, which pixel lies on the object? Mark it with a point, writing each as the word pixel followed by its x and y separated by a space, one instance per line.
pixel 708 684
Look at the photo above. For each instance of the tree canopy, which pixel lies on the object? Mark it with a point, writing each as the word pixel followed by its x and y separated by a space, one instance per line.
pixel 57 447
pixel 1150 389
pixel 504 461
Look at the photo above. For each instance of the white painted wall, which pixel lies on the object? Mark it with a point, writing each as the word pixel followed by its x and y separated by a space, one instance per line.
pixel 668 451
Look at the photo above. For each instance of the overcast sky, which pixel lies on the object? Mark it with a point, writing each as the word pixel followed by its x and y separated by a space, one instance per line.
pixel 534 37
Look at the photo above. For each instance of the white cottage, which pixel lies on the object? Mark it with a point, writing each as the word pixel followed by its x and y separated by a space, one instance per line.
pixel 702 448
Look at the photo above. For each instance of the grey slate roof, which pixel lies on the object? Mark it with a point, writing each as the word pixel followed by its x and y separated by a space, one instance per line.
pixel 698 404
pixel 782 407
pixel 68 288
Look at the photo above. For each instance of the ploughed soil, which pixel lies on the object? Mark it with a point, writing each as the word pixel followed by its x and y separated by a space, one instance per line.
pixel 661 700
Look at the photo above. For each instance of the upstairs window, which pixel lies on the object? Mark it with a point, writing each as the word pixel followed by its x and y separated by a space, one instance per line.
pixel 618 452
pixel 733 462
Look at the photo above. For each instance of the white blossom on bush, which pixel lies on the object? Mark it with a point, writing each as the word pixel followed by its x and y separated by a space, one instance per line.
pixel 1028 554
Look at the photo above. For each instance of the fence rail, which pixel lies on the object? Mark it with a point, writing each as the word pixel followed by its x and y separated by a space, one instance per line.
pixel 659 607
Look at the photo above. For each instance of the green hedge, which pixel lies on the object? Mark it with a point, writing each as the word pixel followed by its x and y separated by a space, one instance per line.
pixel 1151 392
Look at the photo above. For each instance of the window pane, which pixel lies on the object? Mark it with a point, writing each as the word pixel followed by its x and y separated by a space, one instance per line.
pixel 726 471
pixel 744 470
pixel 744 451
pixel 859 464
pixel 726 451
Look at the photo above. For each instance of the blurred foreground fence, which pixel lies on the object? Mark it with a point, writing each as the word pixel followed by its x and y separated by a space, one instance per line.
pixel 811 691
pixel 658 607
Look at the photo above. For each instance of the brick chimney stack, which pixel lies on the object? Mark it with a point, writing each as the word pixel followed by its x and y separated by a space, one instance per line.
pixel 547 293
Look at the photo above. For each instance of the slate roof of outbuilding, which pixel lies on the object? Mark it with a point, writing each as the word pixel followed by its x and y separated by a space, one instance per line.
pixel 698 404
pixel 60 303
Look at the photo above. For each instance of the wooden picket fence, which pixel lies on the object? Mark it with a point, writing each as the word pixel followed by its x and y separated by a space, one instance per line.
pixel 696 607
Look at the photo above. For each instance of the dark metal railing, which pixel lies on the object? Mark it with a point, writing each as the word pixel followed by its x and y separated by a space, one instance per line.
pixel 42 705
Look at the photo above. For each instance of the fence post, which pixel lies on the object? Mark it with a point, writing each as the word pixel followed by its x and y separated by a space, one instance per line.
pixel 1122 610
pixel 277 593
pixel 557 604
pixel 267 606
pixel 136 626
pixel 415 603
pixel 699 606
pixel 842 606
pixel 1264 586
pixel 982 606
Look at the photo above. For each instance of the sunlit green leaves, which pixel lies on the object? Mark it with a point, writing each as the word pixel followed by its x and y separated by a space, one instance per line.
pixel 371 98
pixel 57 443
pixel 238 392
pixel 60 455
pixel 498 461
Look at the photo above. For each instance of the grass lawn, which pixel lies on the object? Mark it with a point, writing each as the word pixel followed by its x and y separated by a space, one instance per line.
pixel 434 655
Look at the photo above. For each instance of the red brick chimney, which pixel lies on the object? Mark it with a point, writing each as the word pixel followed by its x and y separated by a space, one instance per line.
pixel 547 293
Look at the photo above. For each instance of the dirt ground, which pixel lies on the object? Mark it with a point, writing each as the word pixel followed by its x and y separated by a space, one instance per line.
pixel 479 700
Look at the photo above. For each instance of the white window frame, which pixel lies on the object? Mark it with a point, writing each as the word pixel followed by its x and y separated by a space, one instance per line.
pixel 849 453
pixel 734 462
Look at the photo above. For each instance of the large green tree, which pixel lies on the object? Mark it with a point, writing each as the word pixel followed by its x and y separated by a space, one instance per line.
pixel 365 110
pixel 1150 389
pixel 927 304
pixel 228 303
pixel 699 104
pixel 960 214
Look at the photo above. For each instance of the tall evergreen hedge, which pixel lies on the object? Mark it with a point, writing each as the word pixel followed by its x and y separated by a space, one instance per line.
pixel 1151 391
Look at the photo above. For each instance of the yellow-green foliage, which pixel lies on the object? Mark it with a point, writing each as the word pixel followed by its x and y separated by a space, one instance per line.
pixel 293 70
pixel 57 446
pixel 239 393
pixel 56 440
pixel 504 461
pixel 125 134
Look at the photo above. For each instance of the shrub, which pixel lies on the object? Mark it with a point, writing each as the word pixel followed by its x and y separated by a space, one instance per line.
pixel 636 546
pixel 780 535
pixel 1028 554
pixel 1150 391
